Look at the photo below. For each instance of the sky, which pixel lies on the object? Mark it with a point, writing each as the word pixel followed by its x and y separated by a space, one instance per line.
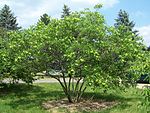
pixel 29 11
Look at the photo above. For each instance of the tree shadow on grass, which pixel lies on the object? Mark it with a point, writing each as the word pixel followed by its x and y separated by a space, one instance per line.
pixel 24 96
pixel 37 100
pixel 18 90
pixel 29 96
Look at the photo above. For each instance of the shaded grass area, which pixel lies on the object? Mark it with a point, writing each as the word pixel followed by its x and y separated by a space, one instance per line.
pixel 22 98
pixel 28 99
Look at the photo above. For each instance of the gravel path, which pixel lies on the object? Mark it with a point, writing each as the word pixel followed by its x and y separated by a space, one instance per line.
pixel 142 86
pixel 48 80
pixel 44 80
pixel 52 80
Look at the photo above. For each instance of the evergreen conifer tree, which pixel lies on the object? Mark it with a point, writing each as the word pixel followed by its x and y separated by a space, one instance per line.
pixel 148 48
pixel 123 19
pixel 66 11
pixel 7 19
pixel 45 19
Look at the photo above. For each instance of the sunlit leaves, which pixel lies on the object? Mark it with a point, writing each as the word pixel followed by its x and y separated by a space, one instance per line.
pixel 80 45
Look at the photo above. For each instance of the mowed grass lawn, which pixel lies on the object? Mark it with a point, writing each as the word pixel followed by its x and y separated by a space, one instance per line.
pixel 28 99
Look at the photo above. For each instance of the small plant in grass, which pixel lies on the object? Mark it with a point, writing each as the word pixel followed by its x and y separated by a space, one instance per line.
pixel 146 99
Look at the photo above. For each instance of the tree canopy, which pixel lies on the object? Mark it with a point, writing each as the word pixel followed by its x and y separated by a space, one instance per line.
pixel 80 48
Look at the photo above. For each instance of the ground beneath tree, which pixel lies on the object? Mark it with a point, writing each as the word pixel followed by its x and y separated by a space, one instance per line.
pixel 85 105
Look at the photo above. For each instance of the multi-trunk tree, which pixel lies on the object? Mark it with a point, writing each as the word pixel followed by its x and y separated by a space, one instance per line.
pixel 79 50
pixel 98 56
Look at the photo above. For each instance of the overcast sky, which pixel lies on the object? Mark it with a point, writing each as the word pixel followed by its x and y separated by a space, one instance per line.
pixel 29 11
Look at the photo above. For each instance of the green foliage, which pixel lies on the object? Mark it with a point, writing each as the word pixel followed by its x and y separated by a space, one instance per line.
pixel 98 6
pixel 140 66
pixel 146 92
pixel 146 99
pixel 80 47
pixel 66 11
pixel 14 57
pixel 3 32
pixel 45 19
pixel 19 98
pixel 7 19
pixel 22 98
pixel 73 55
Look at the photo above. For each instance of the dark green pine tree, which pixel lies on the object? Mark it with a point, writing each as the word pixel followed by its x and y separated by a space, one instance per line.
pixel 148 49
pixel 45 19
pixel 7 19
pixel 66 11
pixel 123 19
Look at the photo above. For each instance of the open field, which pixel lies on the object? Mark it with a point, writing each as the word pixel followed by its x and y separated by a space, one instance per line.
pixel 28 99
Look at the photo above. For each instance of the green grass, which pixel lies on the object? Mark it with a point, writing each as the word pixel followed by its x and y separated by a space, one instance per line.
pixel 28 99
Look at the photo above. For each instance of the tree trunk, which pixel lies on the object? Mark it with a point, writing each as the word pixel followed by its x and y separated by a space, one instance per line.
pixel 73 95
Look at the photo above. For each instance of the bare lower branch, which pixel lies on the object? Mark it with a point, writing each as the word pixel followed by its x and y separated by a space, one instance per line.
pixel 69 82
pixel 73 85
pixel 77 84
pixel 81 93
